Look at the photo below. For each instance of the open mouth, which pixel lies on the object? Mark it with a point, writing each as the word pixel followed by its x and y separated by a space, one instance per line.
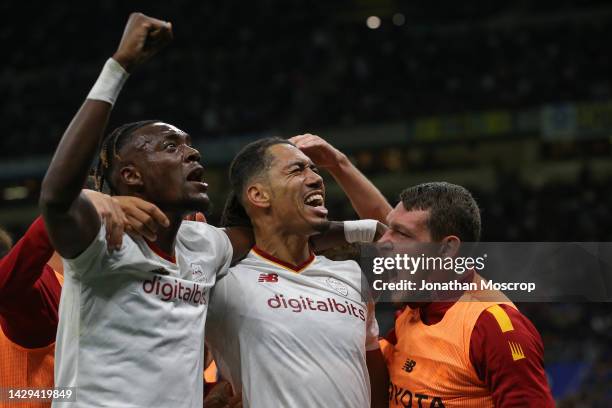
pixel 314 200
pixel 197 176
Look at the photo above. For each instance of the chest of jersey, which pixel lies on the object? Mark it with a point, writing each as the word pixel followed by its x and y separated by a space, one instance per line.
pixel 308 304
pixel 291 339
pixel 430 366
pixel 129 318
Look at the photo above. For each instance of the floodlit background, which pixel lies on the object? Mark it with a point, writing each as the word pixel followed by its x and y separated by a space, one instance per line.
pixel 512 99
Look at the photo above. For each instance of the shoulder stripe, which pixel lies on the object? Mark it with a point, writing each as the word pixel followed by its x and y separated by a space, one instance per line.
pixel 502 318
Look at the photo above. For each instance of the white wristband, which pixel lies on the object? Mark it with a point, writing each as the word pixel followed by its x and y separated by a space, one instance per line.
pixel 109 83
pixel 360 230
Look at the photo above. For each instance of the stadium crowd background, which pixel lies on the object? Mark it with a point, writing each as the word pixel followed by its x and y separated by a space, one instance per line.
pixel 511 99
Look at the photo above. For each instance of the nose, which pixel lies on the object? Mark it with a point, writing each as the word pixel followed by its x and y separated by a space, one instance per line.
pixel 313 179
pixel 192 154
pixel 386 238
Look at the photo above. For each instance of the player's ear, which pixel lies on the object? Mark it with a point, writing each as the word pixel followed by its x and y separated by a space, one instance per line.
pixel 130 176
pixel 449 247
pixel 258 195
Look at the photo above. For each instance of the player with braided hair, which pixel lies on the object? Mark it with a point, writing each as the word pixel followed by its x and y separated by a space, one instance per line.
pixel 108 153
pixel 120 308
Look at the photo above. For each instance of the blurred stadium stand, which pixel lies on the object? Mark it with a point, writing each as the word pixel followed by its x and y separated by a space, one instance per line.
pixel 511 99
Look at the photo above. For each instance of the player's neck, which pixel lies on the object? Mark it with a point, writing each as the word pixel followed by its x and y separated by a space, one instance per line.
pixel 292 249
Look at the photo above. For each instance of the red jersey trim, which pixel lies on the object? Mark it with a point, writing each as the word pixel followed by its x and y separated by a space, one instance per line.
pixel 160 252
pixel 283 264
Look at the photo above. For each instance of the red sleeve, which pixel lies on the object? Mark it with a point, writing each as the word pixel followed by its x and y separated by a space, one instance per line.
pixel 23 265
pixel 511 362
pixel 29 290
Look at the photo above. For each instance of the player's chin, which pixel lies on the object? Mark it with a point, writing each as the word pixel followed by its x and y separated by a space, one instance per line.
pixel 319 224
pixel 198 202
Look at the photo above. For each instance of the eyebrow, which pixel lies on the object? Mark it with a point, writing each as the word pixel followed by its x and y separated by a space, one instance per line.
pixel 301 163
pixel 399 227
pixel 174 136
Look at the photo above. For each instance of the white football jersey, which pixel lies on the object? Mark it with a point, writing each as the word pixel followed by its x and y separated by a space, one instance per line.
pixel 131 324
pixel 293 337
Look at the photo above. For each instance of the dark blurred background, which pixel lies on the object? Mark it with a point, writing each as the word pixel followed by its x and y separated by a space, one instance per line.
pixel 511 99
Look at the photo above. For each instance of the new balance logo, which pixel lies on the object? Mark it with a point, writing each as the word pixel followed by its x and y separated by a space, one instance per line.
pixel 409 365
pixel 267 277
pixel 516 350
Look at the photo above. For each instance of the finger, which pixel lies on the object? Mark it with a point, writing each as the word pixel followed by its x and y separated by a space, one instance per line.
pixel 117 235
pixel 107 219
pixel 119 223
pixel 300 145
pixel 298 140
pixel 148 214
pixel 159 24
pixel 154 212
pixel 130 231
pixel 301 139
pixel 141 229
pixel 160 36
pixel 106 215
pixel 114 229
pixel 130 205
pixel 318 146
pixel 313 140
pixel 144 221
pixel 307 136
pixel 158 39
pixel 199 217
pixel 150 23
pixel 124 221
pixel 111 236
pixel 307 141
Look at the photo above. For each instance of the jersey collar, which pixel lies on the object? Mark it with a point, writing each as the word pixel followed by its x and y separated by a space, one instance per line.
pixel 160 252
pixel 278 262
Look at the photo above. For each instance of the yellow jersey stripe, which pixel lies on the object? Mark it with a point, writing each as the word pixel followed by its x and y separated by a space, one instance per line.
pixel 502 318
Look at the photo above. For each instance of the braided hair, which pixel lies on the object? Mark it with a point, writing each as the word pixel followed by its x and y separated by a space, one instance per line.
pixel 109 152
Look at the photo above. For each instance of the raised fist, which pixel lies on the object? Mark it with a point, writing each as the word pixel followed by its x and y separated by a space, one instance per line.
pixel 142 38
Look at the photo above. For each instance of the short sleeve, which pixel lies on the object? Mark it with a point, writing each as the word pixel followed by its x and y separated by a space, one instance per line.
pixel 226 252
pixel 198 236
pixel 507 353
pixel 372 329
pixel 90 260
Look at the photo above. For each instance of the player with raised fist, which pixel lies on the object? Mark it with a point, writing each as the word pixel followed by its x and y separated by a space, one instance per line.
pixel 131 320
